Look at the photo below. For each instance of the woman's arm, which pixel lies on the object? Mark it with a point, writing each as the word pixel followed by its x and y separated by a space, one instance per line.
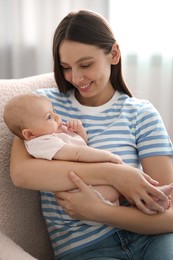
pixel 160 168
pixel 131 219
pixel 95 210
pixel 137 221
pixel 37 174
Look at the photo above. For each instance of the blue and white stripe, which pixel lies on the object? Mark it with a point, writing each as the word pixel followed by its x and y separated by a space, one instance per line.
pixel 126 126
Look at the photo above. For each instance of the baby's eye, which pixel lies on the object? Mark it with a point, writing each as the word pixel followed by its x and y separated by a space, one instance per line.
pixel 49 117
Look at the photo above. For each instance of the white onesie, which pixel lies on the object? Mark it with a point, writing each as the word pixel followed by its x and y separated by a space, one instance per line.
pixel 46 146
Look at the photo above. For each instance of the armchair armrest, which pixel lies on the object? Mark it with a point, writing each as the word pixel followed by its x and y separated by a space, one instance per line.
pixel 9 250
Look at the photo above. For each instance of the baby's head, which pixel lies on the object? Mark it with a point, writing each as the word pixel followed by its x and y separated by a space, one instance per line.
pixel 30 115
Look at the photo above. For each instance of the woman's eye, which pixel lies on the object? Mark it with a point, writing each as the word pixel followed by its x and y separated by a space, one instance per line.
pixel 65 68
pixel 85 66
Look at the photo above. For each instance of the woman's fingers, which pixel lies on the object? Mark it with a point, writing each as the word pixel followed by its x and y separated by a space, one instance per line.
pixel 72 202
pixel 150 180
pixel 149 206
pixel 143 193
pixel 60 195
pixel 78 182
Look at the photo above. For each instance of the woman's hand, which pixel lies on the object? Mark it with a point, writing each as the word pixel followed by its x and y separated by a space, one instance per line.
pixel 73 202
pixel 81 204
pixel 85 205
pixel 139 189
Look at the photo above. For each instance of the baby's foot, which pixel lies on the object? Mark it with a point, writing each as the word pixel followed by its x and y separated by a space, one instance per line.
pixel 166 189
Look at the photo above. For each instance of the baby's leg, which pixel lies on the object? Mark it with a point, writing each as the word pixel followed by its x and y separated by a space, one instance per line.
pixel 166 189
pixel 107 194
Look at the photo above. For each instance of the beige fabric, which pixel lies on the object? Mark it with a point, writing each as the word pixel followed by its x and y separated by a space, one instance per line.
pixel 11 251
pixel 20 213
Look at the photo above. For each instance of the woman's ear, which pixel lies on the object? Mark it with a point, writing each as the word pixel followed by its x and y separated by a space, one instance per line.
pixel 115 52
pixel 27 134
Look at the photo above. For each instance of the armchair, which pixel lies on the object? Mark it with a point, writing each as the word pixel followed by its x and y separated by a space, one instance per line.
pixel 23 233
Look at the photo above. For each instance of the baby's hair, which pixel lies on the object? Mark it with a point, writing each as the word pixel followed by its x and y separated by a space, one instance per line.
pixel 17 111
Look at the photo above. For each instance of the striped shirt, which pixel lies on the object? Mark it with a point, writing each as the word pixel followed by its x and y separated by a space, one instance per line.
pixel 129 127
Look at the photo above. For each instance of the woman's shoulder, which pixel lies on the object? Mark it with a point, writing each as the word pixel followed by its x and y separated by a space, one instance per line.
pixel 135 103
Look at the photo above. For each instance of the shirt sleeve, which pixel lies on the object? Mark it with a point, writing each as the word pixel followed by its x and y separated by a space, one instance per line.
pixel 44 147
pixel 151 135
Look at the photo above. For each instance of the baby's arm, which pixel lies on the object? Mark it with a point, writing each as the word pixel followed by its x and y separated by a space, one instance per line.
pixel 81 153
pixel 70 152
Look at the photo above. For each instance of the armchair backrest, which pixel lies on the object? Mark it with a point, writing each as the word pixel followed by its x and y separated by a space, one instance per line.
pixel 20 212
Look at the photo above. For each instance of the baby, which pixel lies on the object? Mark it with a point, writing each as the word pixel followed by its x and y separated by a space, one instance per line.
pixel 32 118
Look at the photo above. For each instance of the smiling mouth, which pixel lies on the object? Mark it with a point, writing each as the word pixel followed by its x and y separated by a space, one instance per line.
pixel 85 87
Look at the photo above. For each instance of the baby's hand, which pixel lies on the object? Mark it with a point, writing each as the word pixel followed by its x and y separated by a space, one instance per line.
pixel 74 125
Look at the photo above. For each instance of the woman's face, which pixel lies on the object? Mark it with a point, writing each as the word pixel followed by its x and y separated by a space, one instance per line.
pixel 88 69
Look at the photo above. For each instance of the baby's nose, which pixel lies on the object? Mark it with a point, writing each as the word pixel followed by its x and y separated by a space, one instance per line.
pixel 56 117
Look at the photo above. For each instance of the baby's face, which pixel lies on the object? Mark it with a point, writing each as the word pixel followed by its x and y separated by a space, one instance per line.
pixel 44 119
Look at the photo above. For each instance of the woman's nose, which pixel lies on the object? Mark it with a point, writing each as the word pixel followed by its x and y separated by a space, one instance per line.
pixel 77 77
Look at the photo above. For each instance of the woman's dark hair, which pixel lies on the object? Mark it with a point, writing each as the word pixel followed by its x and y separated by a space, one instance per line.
pixel 89 28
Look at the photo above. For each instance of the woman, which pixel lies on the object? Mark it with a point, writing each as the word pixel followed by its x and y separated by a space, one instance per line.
pixel 87 69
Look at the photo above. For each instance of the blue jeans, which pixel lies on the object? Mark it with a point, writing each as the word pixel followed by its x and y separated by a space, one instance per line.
pixel 124 245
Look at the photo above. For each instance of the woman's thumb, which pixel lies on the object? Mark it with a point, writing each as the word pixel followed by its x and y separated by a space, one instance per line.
pixel 77 181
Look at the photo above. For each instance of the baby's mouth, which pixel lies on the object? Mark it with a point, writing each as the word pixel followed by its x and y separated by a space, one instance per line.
pixel 60 126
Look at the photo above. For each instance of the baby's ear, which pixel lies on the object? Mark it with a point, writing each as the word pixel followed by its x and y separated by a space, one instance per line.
pixel 27 134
